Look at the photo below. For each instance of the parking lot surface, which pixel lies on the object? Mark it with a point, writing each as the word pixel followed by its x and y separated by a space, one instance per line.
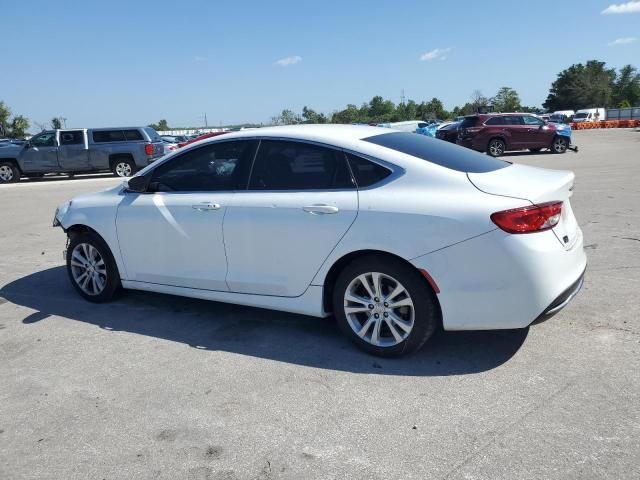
pixel 161 387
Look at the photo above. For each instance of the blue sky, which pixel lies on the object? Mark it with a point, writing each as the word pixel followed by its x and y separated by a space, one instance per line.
pixel 126 63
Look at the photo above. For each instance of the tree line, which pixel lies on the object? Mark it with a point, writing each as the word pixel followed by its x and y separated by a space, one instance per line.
pixel 592 84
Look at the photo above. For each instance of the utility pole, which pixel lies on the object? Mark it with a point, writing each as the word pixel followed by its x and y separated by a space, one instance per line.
pixel 205 120
pixel 402 97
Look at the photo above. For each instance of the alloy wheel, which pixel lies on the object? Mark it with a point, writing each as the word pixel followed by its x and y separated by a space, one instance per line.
pixel 496 148
pixel 560 145
pixel 379 309
pixel 6 173
pixel 123 169
pixel 88 269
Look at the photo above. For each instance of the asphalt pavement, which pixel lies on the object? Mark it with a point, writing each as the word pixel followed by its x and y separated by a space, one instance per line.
pixel 159 387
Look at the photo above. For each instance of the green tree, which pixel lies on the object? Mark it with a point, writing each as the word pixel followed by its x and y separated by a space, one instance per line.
pixel 311 116
pixel 5 114
pixel 582 86
pixel 380 110
pixel 433 109
pixel 627 87
pixel 286 117
pixel 506 100
pixel 351 114
pixel 161 126
pixel 19 126
pixel 56 123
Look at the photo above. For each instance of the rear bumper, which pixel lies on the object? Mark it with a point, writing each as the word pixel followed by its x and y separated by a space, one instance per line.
pixel 562 301
pixel 501 281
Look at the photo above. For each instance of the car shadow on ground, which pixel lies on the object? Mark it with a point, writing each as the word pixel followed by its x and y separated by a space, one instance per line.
pixel 256 332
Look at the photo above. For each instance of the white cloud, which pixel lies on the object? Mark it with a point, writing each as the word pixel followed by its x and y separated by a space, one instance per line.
pixel 285 62
pixel 623 41
pixel 628 7
pixel 436 53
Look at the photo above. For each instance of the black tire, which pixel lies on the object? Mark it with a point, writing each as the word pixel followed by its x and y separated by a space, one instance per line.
pixel 496 147
pixel 9 173
pixel 123 167
pixel 426 314
pixel 535 150
pixel 112 284
pixel 559 145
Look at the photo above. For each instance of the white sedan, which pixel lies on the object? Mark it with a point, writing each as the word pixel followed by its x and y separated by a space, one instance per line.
pixel 397 234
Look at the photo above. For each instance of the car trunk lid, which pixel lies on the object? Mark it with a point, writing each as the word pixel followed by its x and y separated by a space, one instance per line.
pixel 538 186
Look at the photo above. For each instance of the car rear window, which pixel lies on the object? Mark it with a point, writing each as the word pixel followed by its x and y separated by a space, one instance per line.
pixel 436 151
pixel 469 122
pixel 153 135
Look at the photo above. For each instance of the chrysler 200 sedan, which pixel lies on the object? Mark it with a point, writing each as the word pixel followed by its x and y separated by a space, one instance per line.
pixel 396 234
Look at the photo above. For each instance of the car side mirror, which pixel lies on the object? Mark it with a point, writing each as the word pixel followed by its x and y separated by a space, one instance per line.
pixel 137 184
pixel 27 145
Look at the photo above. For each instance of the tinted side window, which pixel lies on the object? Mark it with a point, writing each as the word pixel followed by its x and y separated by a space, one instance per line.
pixel 75 137
pixel 495 121
pixel 528 120
pixel 513 120
pixel 468 122
pixel 44 139
pixel 438 152
pixel 367 173
pixel 283 165
pixel 133 135
pixel 219 167
pixel 101 136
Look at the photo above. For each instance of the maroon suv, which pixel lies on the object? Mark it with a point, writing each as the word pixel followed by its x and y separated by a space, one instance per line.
pixel 498 132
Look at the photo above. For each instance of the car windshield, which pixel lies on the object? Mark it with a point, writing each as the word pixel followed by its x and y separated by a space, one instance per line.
pixel 435 151
pixel 581 115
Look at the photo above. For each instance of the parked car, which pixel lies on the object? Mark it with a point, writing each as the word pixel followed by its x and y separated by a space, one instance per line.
pixel 408 126
pixel 590 115
pixel 567 113
pixel 449 132
pixel 84 150
pixel 169 146
pixel 395 233
pixel 201 137
pixel 175 138
pixel 498 133
pixel 558 118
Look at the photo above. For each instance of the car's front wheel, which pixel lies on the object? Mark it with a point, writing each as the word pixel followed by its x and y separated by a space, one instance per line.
pixel 91 267
pixel 385 306
pixel 496 147
pixel 560 145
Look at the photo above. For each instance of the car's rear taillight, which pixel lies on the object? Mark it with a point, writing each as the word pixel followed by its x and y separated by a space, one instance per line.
pixel 535 218
pixel 473 130
pixel 148 149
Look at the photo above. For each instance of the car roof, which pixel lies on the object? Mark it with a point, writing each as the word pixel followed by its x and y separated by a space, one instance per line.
pixel 334 134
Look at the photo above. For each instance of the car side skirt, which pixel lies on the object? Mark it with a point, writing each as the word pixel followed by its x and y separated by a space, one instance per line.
pixel 309 303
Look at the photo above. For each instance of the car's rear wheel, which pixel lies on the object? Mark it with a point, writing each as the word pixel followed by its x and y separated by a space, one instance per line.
pixel 9 173
pixel 385 306
pixel 559 145
pixel 91 267
pixel 496 147
pixel 123 167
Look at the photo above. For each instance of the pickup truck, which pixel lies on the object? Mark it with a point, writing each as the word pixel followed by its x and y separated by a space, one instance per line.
pixel 122 151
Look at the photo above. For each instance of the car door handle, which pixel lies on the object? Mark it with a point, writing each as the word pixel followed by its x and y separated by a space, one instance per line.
pixel 205 206
pixel 321 209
